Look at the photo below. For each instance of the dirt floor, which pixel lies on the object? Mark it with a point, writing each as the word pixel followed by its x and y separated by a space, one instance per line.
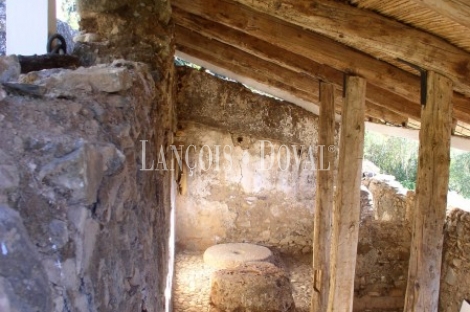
pixel 192 281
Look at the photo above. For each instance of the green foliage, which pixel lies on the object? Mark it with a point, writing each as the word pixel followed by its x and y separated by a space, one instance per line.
pixel 460 174
pixel 399 157
pixel 67 12
pixel 394 156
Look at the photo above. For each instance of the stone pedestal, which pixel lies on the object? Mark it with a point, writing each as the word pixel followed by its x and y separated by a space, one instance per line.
pixel 251 287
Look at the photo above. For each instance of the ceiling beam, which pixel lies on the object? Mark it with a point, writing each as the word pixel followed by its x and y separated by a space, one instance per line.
pixel 302 86
pixel 456 10
pixel 379 36
pixel 305 44
pixel 387 104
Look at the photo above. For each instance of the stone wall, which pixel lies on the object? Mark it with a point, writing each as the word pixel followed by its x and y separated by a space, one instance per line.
pixel 382 265
pixel 79 222
pixel 239 201
pixel 384 246
pixel 384 249
pixel 389 197
pixel 139 30
pixel 455 278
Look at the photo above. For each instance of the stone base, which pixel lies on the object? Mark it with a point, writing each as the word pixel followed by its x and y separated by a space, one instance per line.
pixel 252 287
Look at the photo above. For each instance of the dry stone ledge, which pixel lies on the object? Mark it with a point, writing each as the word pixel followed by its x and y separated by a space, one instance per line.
pixel 231 255
pixel 251 287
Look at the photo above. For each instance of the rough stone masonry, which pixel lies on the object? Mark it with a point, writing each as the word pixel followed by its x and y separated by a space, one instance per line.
pixel 79 224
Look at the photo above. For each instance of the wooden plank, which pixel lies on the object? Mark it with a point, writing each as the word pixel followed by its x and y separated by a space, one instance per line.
pixel 324 200
pixel 347 200
pixel 456 10
pixel 285 58
pixel 304 45
pixel 242 63
pixel 385 115
pixel 432 183
pixel 378 35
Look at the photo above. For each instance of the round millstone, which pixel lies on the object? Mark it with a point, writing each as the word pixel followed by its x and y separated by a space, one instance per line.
pixel 226 256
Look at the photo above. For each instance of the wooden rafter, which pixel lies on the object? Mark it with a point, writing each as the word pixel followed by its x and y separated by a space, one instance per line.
pixel 456 10
pixel 297 63
pixel 300 85
pixel 303 46
pixel 368 31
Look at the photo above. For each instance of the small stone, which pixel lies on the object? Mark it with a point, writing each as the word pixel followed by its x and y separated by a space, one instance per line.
pixel 9 174
pixel 457 262
pixel 23 281
pixel 10 68
pixel 451 277
pixel 59 235
pixel 86 38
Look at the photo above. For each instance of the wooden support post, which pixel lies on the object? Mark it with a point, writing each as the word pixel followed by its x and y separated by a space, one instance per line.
pixel 324 200
pixel 346 213
pixel 422 293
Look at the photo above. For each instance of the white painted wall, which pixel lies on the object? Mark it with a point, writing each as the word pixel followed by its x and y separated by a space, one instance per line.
pixel 29 23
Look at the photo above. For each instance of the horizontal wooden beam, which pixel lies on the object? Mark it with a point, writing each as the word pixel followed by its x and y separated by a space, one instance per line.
pixel 297 63
pixel 242 63
pixel 304 45
pixel 379 36
pixel 456 10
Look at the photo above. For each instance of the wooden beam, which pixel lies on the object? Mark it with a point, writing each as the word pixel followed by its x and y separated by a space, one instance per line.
pixel 424 273
pixel 193 43
pixel 456 10
pixel 347 200
pixel 266 72
pixel 304 45
pixel 385 115
pixel 324 200
pixel 285 58
pixel 377 35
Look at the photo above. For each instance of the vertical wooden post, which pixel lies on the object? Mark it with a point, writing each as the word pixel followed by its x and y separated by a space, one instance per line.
pixel 346 213
pixel 324 200
pixel 422 293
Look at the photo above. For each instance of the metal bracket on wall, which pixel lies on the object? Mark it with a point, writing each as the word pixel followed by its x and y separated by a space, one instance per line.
pixel 424 78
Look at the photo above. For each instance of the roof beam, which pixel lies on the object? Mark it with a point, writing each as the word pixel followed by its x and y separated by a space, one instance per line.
pixel 456 10
pixel 303 43
pixel 379 35
pixel 264 72
pixel 387 104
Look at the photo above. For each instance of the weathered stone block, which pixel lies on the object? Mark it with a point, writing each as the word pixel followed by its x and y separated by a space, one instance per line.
pixel 253 287
pixel 98 78
pixel 23 282
pixel 10 68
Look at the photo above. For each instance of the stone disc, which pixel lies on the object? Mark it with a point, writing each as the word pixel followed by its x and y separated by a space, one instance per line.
pixel 226 256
